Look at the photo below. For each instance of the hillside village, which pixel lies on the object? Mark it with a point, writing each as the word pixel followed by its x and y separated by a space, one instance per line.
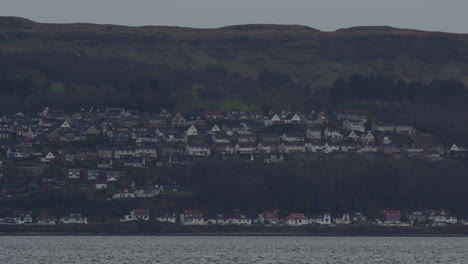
pixel 98 148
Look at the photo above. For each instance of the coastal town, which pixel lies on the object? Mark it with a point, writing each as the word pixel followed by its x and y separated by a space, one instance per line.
pixel 99 147
pixel 390 217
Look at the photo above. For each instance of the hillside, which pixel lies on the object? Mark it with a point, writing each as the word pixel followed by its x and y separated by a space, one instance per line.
pixel 245 66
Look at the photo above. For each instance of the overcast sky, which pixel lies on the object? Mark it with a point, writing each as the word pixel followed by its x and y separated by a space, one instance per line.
pixel 436 15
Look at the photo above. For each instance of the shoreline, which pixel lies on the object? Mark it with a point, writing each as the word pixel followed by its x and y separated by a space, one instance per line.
pixel 150 229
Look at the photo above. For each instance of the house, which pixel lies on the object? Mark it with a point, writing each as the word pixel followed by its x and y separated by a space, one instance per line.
pixel 385 128
pixel 367 137
pixel 137 214
pixel 314 147
pixel 245 148
pixel 201 150
pixel 93 175
pixel 166 217
pixel 358 218
pixel 113 176
pixel 101 184
pixel 269 138
pixel 159 120
pixel 147 152
pixel 171 150
pixel 104 153
pixel 296 220
pixel 405 130
pixel 314 135
pixel 124 152
pixel 293 147
pixel 367 149
pixel 69 156
pixel 333 134
pixel 458 148
pixel 274 158
pixel 269 147
pixel 442 216
pixel 293 137
pixel 268 218
pixel 354 125
pixel 223 148
pixel 213 115
pixel 17 153
pixel 74 218
pixel 74 173
pixel 105 163
pixel 292 119
pixel 353 136
pixel 147 191
pixel 48 158
pixel 417 217
pixel 191 131
pixel 392 217
pixel 343 219
pixel 115 112
pixel 135 163
pixel 178 120
pixel 221 138
pixel 192 217
pixel 20 218
pixel 240 220
pixel 352 115
pixel 252 126
pixel 324 219
pixel 318 118
pixel 215 129
pixel 330 148
pixel 46 219
pixel 238 115
pixel 219 220
pixel 124 193
pixel 246 139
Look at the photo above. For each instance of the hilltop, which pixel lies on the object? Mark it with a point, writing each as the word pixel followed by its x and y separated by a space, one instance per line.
pixel 242 66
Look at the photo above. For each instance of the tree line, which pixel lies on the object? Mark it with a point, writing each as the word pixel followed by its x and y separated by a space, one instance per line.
pixel 378 88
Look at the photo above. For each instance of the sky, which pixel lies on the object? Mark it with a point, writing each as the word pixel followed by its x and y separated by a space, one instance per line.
pixel 327 15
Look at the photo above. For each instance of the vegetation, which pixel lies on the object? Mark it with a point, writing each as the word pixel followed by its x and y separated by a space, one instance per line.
pixel 252 66
pixel 378 89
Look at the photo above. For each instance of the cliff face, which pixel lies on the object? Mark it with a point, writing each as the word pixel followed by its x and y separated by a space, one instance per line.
pixel 311 58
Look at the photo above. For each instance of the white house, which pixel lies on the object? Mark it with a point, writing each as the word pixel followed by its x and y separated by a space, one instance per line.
pixel 296 220
pixel 137 214
pixel 215 129
pixel 344 219
pixel 46 219
pixel 201 150
pixel 74 219
pixel 191 131
pixel 442 216
pixel 240 220
pixel 328 148
pixel 457 148
pixel 166 218
pixel 268 218
pixel 355 125
pixel 49 157
pixel 332 134
pixel 192 217
pixel 65 124
pixel 321 220
pixel 124 193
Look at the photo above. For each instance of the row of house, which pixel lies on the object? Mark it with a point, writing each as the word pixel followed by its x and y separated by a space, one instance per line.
pixel 390 217
pixel 25 217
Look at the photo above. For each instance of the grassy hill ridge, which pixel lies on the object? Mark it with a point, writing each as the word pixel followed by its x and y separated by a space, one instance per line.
pixel 228 61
